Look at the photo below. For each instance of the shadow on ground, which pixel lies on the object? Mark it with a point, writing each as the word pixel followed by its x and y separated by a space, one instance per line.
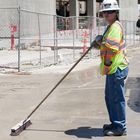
pixel 81 132
pixel 85 132
pixel 133 84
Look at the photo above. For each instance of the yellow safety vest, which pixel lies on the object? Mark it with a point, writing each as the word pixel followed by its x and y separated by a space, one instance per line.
pixel 113 50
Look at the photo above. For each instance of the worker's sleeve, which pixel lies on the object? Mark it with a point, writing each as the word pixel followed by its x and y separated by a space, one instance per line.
pixel 113 38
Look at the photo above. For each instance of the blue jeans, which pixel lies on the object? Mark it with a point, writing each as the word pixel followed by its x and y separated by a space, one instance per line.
pixel 115 98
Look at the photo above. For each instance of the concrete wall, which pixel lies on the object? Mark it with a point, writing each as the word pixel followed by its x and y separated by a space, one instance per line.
pixel 30 25
pixel 8 3
pixel 29 21
pixel 46 6
pixel 129 10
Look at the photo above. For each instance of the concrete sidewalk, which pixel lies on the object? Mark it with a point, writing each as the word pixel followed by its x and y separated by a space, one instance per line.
pixel 76 110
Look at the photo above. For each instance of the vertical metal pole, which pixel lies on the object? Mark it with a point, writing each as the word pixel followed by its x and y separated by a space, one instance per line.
pixel 89 27
pixel 56 44
pixel 39 30
pixel 73 28
pixel 19 39
pixel 94 14
pixel 91 33
pixel 77 15
pixel 54 48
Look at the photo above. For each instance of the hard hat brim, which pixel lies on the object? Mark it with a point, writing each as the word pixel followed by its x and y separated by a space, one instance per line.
pixel 109 9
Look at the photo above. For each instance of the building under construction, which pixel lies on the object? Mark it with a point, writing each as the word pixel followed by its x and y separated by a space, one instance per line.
pixel 91 8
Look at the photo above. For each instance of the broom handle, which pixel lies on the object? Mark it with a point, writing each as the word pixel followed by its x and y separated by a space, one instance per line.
pixel 59 82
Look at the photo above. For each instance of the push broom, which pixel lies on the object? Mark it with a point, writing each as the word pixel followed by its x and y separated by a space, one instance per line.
pixel 17 129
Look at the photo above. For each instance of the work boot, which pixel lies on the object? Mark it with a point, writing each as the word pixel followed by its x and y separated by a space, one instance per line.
pixel 115 132
pixel 107 127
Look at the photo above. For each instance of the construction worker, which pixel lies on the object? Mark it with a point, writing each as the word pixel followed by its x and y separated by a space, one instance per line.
pixel 114 65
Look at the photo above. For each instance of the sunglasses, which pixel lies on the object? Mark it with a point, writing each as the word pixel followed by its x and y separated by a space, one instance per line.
pixel 108 12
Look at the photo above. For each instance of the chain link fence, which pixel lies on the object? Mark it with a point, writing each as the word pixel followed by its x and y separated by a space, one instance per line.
pixel 30 40
pixel 9 35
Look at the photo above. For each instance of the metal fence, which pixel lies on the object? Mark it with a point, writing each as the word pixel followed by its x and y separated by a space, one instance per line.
pixel 30 40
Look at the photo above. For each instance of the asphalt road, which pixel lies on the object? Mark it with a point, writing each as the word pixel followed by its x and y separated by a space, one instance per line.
pixel 75 111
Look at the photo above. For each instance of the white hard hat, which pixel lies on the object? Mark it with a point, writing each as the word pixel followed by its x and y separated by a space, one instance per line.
pixel 110 5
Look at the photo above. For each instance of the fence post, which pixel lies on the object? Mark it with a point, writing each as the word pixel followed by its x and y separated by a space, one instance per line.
pixel 91 32
pixel 54 48
pixel 56 41
pixel 55 19
pixel 73 28
pixel 19 38
pixel 40 44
